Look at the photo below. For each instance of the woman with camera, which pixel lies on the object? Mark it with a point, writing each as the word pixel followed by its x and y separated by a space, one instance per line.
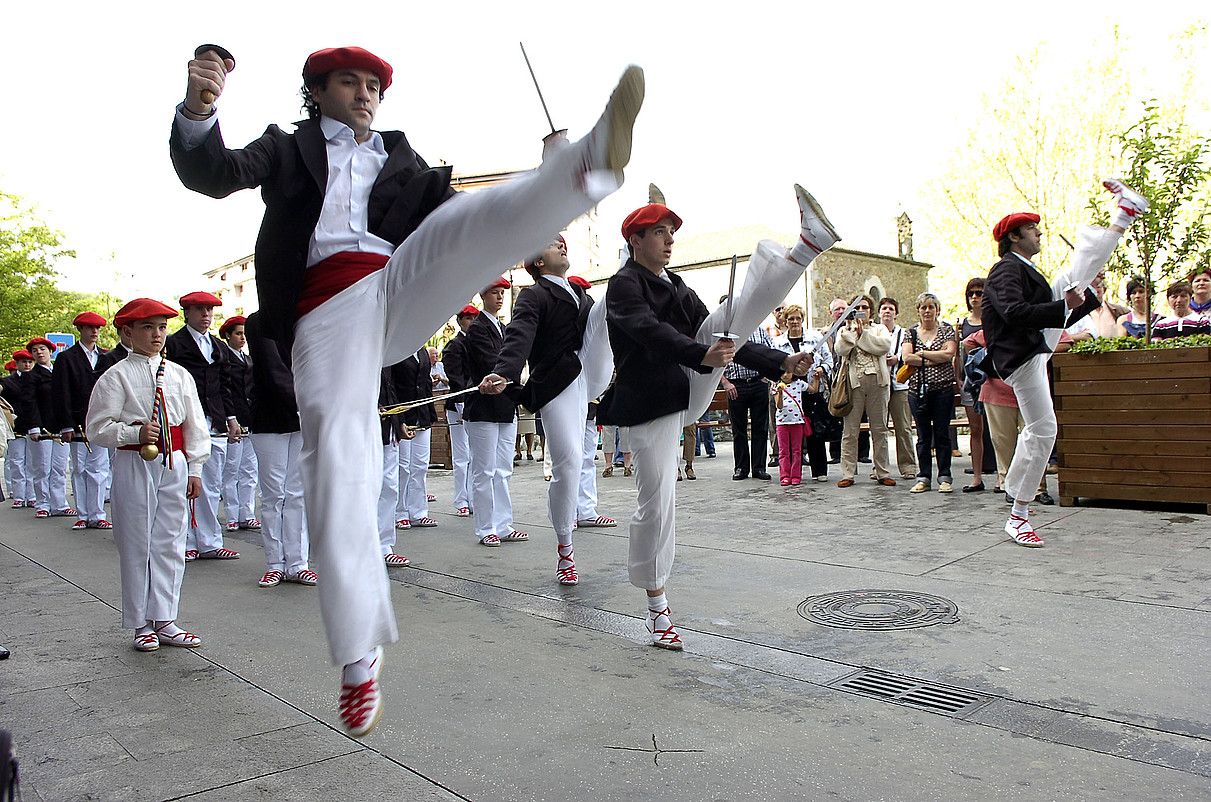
pixel 862 345
pixel 930 349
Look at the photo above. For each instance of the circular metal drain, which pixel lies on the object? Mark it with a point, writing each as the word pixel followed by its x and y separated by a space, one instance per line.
pixel 878 609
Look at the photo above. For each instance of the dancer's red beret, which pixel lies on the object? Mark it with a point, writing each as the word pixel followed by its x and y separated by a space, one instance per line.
pixel 141 309
pixel 1012 221
pixel 577 281
pixel 21 353
pixel 200 299
pixel 500 282
pixel 29 346
pixel 469 311
pixel 322 62
pixel 88 319
pixel 646 217
pixel 230 323
pixel 10 365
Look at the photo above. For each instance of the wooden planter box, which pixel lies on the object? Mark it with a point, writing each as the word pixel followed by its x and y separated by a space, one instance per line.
pixel 1134 425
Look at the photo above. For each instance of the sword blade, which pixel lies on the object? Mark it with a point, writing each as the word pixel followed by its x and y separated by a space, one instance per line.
pixel 537 89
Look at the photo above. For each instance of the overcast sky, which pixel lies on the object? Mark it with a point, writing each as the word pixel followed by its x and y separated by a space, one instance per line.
pixel 860 102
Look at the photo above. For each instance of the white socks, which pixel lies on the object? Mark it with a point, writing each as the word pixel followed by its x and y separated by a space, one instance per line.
pixel 362 670
pixel 658 604
pixel 1021 508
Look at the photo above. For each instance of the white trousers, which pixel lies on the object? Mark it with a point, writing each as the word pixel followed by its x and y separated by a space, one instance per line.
pixel 586 498
pixel 1029 381
pixel 49 474
pixel 240 481
pixel 491 466
pixel 460 456
pixel 388 498
pixel 283 519
pixel 653 444
pixel 207 535
pixel 17 469
pixel 563 424
pixel 150 519
pixel 89 480
pixel 462 246
pixel 413 500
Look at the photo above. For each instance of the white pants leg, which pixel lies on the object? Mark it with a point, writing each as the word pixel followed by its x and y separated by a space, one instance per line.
pixel 90 474
pixel 296 541
pixel 653 527
pixel 491 466
pixel 208 534
pixel 40 466
pixel 1093 249
pixel 404 457
pixel 586 497
pixel 1035 441
pixel 60 455
pixel 413 489
pixel 16 466
pixel 563 425
pixel 240 481
pixel 150 518
pixel 460 456
pixel 388 499
pixel 272 461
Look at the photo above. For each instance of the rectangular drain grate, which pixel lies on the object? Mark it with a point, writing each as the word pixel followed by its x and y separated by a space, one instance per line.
pixel 942 699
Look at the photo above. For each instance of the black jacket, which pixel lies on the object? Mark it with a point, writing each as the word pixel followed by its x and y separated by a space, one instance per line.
pixel 546 330
pixel 653 325
pixel 411 377
pixel 483 344
pixel 71 386
pixel 454 358
pixel 239 384
pixel 214 386
pixel 17 393
pixel 292 172
pixel 274 408
pixel 1017 307
pixel 41 402
pixel 110 358
pixel 388 396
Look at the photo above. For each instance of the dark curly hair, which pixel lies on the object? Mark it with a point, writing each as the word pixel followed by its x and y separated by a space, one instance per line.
pixel 309 104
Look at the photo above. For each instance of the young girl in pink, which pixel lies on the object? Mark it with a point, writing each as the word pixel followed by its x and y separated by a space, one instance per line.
pixel 793 425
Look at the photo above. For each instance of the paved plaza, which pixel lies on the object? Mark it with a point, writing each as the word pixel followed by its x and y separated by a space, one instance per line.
pixel 1076 671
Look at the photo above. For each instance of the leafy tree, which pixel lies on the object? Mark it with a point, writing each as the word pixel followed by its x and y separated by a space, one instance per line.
pixel 30 302
pixel 1171 166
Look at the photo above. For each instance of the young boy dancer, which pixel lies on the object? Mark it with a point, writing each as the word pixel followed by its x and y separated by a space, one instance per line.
pixel 1023 318
pixel 239 465
pixel 18 461
pixel 140 402
pixel 548 331
pixel 71 385
pixel 669 360
pixel 412 379
pixel 278 444
pixel 355 222
pixel 491 422
pixel 454 357
pixel 48 449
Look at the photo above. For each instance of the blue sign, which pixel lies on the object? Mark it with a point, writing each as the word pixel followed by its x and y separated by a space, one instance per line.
pixel 62 342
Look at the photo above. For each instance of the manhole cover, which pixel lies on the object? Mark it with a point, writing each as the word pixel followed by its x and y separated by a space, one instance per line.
pixel 878 609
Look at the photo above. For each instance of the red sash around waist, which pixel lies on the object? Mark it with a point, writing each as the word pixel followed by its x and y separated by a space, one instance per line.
pixel 178 441
pixel 336 273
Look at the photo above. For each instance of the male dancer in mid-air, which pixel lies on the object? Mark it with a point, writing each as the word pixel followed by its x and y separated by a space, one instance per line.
pixel 1023 319
pixel 669 353
pixel 355 221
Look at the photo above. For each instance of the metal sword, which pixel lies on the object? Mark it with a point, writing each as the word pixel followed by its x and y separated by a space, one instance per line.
pixel 534 78
pixel 726 334
pixel 398 408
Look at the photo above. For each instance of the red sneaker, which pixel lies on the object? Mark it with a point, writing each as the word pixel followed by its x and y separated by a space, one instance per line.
pixel 80 524
pixel 361 705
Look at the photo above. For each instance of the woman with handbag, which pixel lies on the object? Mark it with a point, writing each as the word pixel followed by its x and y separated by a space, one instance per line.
pixel 821 424
pixel 930 348
pixel 862 344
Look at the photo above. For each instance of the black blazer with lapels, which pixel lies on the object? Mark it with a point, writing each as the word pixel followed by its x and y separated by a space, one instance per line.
pixel 274 407
pixel 482 345
pixel 71 386
pixel 653 324
pixel 1017 307
pixel 454 357
pixel 413 381
pixel 546 330
pixel 240 384
pixel 211 378
pixel 292 172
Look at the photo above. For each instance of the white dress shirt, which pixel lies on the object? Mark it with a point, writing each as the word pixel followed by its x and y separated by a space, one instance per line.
pixel 563 282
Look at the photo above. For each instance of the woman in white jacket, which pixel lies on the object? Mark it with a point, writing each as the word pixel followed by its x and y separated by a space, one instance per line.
pixel 865 343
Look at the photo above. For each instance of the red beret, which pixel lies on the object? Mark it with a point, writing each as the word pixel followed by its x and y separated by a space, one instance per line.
pixel 577 281
pixel 88 319
pixel 141 309
pixel 647 216
pixel 501 282
pixel 468 311
pixel 21 353
pixel 1012 221
pixel 230 323
pixel 322 62
pixel 10 365
pixel 200 299
pixel 29 346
